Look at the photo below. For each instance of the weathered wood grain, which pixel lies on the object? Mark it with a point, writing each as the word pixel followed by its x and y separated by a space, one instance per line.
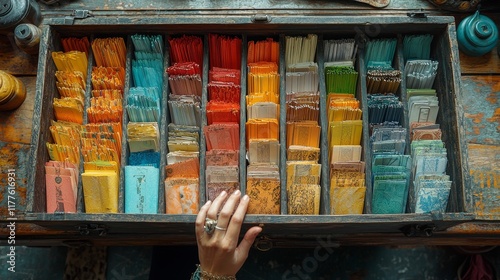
pixel 14 60
pixel 480 99
pixel 484 163
pixel 486 64
pixel 13 158
pixel 158 5
pixel 481 102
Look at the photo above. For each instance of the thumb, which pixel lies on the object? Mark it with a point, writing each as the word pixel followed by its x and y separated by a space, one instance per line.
pixel 248 240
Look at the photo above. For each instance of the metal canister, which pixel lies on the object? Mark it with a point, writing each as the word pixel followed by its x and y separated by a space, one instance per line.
pixel 12 92
pixel 15 12
pixel 27 37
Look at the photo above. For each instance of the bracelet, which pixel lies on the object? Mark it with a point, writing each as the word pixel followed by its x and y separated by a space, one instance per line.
pixel 199 274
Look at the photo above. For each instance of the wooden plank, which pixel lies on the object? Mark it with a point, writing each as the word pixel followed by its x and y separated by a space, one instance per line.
pixel 480 99
pixel 16 125
pixel 484 163
pixel 13 159
pixel 486 64
pixel 158 5
pixel 14 60
pixel 467 234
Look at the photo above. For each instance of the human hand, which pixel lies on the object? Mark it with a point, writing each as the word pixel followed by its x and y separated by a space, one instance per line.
pixel 219 252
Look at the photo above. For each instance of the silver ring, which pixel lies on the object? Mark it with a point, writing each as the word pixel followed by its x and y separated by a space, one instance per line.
pixel 220 228
pixel 210 225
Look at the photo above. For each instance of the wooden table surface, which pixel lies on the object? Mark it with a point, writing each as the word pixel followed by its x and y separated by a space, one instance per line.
pixel 480 84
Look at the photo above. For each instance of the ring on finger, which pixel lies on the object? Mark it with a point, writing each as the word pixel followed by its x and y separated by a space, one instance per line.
pixel 210 226
pixel 220 228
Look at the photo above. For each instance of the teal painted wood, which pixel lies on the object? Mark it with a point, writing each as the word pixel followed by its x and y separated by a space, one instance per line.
pixel 479 96
pixel 245 5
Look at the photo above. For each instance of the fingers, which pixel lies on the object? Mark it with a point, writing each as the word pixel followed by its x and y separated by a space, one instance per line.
pixel 247 241
pixel 200 219
pixel 216 205
pixel 228 209
pixel 234 227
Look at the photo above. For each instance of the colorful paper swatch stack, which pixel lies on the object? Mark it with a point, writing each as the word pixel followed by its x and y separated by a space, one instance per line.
pixel 61 179
pixel 417 47
pixel 391 177
pixel 302 128
pixel 431 185
pixel 347 171
pixel 390 165
pixel 143 134
pixel 222 132
pixel 183 163
pixel 76 44
pixel 101 140
pixel 341 79
pixel 263 147
pixel 390 168
pixel 71 78
pixel 340 50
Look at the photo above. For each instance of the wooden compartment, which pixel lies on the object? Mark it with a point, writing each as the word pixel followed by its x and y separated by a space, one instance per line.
pixel 181 227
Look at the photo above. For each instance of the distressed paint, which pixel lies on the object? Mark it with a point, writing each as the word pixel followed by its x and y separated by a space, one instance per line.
pixel 481 96
pixel 484 163
pixel 475 228
pixel 200 5
pixel 13 156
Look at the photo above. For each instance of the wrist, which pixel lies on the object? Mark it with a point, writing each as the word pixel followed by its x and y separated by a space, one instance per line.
pixel 200 274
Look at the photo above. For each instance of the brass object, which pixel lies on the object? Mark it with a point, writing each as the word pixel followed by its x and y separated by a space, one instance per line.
pixel 12 92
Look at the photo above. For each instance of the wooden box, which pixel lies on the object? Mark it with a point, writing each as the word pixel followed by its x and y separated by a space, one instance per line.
pixel 155 228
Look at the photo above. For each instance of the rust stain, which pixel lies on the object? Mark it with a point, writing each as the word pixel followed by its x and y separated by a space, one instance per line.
pixel 474 228
pixel 477 130
pixel 10 154
pixel 495 118
pixel 32 229
pixel 486 193
pixel 493 96
pixel 476 118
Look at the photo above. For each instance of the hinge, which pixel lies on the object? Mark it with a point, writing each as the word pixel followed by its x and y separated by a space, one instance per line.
pixel 77 14
pixel 418 14
pixel 413 230
pixel 261 18
pixel 92 229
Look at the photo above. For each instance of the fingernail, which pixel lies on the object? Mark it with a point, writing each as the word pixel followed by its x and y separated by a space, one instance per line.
pixel 246 197
pixel 223 193
pixel 208 202
pixel 237 192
